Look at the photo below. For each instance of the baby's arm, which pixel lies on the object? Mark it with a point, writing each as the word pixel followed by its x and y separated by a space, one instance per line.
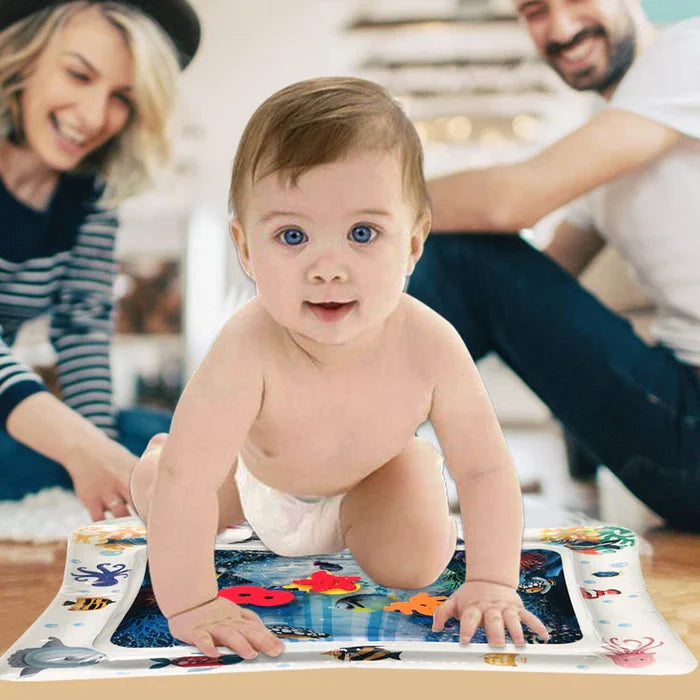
pixel 212 418
pixel 489 495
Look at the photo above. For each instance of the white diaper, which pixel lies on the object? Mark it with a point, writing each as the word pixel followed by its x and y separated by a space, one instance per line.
pixel 289 525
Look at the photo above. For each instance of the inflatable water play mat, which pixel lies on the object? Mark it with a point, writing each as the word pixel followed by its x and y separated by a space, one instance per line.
pixel 584 583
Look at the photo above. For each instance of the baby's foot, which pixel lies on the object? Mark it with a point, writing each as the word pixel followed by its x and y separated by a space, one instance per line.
pixel 143 477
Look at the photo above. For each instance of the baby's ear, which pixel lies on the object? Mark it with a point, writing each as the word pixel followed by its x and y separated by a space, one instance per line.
pixel 420 232
pixel 241 241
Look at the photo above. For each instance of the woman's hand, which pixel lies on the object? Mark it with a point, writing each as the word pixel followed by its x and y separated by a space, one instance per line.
pixel 99 467
pixel 496 606
pixel 100 477
pixel 224 623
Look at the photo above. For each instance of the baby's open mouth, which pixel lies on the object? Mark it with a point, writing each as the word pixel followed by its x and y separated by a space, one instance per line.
pixel 331 310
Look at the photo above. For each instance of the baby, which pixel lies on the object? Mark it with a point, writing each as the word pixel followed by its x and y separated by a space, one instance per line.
pixel 302 417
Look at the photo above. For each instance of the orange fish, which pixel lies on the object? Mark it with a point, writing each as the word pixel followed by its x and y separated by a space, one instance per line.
pixel 422 603
pixel 504 659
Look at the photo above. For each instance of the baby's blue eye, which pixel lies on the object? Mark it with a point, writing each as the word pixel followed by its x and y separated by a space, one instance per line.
pixel 362 234
pixel 293 236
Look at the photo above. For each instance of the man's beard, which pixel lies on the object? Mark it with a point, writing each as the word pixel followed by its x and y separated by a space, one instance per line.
pixel 620 58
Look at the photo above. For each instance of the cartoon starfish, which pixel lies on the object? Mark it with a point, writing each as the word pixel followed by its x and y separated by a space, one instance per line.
pixel 323 582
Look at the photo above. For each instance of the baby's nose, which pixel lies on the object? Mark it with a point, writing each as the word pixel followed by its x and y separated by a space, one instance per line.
pixel 328 268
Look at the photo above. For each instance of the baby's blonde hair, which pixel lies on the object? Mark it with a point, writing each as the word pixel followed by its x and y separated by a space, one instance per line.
pixel 127 162
pixel 322 121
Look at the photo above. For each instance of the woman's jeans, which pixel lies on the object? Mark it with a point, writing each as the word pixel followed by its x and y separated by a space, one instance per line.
pixel 23 471
pixel 635 407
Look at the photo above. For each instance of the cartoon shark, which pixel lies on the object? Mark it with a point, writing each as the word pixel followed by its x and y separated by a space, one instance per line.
pixel 54 654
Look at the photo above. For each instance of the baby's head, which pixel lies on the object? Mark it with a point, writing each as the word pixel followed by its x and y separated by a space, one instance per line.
pixel 329 204
pixel 322 121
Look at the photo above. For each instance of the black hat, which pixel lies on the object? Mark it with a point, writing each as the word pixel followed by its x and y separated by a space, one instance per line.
pixel 177 18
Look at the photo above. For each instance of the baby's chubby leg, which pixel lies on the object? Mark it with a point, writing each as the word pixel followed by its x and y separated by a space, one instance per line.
pixel 396 521
pixel 144 476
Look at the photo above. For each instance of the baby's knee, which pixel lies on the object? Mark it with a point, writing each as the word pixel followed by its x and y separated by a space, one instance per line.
pixel 420 567
pixel 410 575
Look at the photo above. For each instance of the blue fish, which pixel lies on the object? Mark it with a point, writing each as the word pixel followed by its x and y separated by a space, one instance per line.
pixel 127 540
pixel 327 565
pixel 365 602
pixel 54 654
pixel 606 574
pixel 292 632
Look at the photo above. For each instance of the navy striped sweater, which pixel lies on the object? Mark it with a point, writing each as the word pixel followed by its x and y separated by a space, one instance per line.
pixel 59 262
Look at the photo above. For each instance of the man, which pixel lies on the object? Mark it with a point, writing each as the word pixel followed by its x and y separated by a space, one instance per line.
pixel 634 171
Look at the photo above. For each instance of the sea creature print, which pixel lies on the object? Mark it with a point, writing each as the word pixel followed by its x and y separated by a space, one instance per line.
pixel 363 654
pixel 256 595
pixel 88 603
pixel 53 654
pixel 637 656
pixel 590 540
pixel 504 659
pixel 99 535
pixel 535 584
pixel 293 632
pixel 327 566
pixel 198 661
pixel 323 582
pixel 421 603
pixel 106 574
pixel 532 560
pixel 595 593
pixel 118 545
pixel 365 602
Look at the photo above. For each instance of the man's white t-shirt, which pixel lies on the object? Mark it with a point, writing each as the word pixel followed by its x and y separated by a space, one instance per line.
pixel 652 214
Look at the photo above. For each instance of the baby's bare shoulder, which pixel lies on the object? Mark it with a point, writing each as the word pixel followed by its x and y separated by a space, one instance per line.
pixel 426 330
pixel 250 329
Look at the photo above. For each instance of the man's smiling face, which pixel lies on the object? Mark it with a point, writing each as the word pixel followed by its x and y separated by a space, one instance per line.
pixel 589 43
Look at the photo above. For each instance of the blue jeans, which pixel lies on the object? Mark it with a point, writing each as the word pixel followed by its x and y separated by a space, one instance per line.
pixel 635 407
pixel 24 471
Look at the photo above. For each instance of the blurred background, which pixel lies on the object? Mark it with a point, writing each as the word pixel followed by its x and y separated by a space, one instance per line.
pixel 468 77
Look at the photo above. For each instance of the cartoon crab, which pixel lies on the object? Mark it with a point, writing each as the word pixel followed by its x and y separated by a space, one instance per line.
pixel 637 657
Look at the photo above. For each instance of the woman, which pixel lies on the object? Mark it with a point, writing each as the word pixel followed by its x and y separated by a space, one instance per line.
pixel 85 91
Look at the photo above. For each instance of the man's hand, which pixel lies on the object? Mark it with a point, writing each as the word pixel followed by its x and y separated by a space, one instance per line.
pixel 222 622
pixel 496 606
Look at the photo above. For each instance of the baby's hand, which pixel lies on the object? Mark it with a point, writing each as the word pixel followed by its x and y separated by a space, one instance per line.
pixel 494 605
pixel 222 622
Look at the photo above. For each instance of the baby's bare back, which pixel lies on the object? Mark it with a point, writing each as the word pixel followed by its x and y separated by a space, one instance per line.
pixel 325 425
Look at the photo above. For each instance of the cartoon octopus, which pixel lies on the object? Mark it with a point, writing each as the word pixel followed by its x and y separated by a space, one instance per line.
pixel 106 574
pixel 631 658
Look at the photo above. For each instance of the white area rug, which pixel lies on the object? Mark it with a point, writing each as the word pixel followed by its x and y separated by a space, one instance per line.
pixel 51 514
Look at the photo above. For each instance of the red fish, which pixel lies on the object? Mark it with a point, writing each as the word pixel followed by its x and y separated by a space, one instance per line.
pixel 256 595
pixel 198 661
pixel 595 593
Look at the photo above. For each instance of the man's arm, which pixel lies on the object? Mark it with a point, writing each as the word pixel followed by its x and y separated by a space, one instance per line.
pixel 512 197
pixel 574 248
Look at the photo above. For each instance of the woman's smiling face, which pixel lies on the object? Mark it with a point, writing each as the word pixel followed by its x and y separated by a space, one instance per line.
pixel 78 95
